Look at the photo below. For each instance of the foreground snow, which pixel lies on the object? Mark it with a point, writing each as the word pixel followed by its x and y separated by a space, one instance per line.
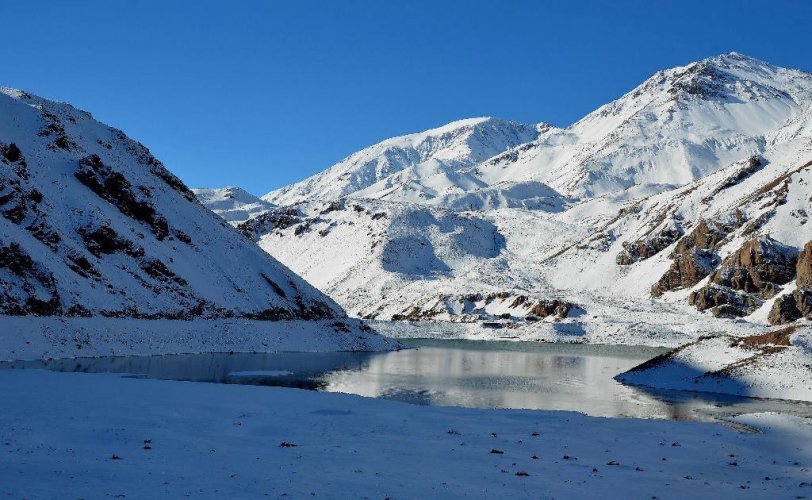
pixel 94 436
pixel 25 337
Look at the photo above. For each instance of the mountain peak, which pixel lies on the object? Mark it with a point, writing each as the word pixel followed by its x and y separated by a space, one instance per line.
pixel 391 168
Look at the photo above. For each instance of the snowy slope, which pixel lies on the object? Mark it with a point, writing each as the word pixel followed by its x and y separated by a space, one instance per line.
pixel 92 224
pixel 233 204
pixel 676 127
pixel 415 167
pixel 772 365
pixel 718 149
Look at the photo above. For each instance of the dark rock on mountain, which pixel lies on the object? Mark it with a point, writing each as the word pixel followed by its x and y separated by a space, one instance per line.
pixel 645 248
pixel 723 301
pixel 789 308
pixel 758 267
pixel 693 258
pixel 748 276
pixel 803 269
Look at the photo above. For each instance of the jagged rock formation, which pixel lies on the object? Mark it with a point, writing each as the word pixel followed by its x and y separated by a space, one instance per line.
pixel 803 270
pixel 693 258
pixel 748 276
pixel 798 304
pixel 492 306
pixel 636 251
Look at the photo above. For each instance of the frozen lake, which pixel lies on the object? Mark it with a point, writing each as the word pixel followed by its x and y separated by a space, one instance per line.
pixel 472 374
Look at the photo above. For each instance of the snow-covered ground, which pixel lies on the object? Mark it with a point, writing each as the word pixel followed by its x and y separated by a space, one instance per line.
pixel 155 439
pixel 25 337
pixel 777 364
pixel 233 204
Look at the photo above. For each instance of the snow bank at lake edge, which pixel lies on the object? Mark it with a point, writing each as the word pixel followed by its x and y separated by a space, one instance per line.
pixel 28 337
pixel 776 364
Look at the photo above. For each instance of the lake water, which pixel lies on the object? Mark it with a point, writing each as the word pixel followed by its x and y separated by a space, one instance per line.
pixel 472 374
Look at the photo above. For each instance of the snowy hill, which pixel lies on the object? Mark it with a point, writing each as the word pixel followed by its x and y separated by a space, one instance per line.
pixel 233 204
pixel 655 218
pixel 93 225
pixel 415 167
pixel 676 127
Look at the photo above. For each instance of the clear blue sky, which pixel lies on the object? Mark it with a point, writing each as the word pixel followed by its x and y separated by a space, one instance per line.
pixel 263 93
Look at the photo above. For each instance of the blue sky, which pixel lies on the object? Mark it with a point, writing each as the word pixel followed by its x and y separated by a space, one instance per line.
pixel 263 93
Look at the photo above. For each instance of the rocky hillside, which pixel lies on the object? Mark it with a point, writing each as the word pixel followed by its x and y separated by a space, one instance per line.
pixel 668 212
pixel 93 225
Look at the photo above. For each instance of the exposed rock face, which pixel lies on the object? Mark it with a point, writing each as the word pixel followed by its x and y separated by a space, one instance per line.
pixel 645 248
pixel 690 266
pixel 749 275
pixel 477 306
pixel 758 267
pixel 789 308
pixel 273 220
pixel 723 301
pixel 783 311
pixel 693 258
pixel 803 269
pixel 26 286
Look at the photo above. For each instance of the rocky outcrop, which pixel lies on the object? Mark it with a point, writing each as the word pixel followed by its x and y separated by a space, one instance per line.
pixel 486 307
pixel 784 311
pixel 723 301
pixel 690 266
pixel 273 220
pixel 797 305
pixel 693 258
pixel 644 248
pixel 803 269
pixel 748 276
pixel 758 267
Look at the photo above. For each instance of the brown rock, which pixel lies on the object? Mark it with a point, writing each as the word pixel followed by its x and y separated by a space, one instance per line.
pixel 644 248
pixel 783 311
pixel 690 266
pixel 803 269
pixel 722 301
pixel 758 267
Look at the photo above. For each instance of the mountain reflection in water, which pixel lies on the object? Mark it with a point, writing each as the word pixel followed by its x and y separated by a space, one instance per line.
pixel 527 375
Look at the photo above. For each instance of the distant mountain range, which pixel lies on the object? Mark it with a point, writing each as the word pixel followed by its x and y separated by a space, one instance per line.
pixel 690 193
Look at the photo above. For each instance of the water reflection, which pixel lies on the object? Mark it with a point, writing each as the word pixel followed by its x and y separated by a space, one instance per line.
pixel 451 373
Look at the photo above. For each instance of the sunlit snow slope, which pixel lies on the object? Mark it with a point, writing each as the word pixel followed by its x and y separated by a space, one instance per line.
pixel 92 224
pixel 688 194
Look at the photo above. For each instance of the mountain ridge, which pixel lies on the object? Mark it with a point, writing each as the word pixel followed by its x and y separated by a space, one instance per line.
pixel 593 156
pixel 632 220
pixel 93 225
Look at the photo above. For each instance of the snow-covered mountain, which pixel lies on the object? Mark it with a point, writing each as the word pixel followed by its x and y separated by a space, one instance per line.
pixel 674 128
pixel 423 167
pixel 232 203
pixel 93 225
pixel 690 193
